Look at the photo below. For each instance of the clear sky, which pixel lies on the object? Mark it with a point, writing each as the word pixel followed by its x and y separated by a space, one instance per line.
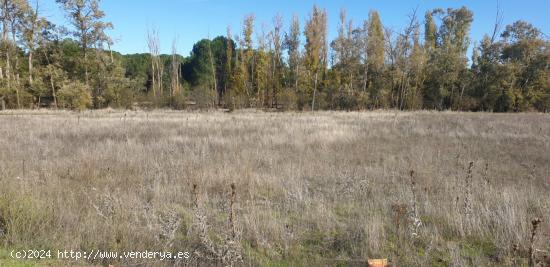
pixel 192 20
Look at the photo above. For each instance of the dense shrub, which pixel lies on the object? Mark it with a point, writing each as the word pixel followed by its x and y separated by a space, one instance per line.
pixel 74 95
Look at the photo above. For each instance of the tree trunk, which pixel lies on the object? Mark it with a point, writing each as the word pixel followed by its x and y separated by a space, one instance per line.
pixel 296 79
pixel 365 77
pixel 30 67
pixel 53 90
pixel 7 66
pixel 212 67
pixel 86 66
pixel 17 97
pixel 460 99
pixel 159 77
pixel 5 41
pixel 314 93
pixel 110 53
pixel 153 73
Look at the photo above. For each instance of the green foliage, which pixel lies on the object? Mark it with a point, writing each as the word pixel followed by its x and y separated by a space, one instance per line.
pixel 75 95
pixel 375 43
pixel 136 66
pixel 369 66
pixel 287 99
pixel 198 70
pixel 208 63
pixel 512 74
pixel 120 93
pixel 25 219
pixel 119 90
pixel 447 60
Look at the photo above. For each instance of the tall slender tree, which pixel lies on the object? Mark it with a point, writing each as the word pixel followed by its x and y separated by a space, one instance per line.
pixel 86 17
pixel 316 47
pixel 247 58
pixel 276 58
pixel 228 63
pixel 153 43
pixel 175 70
pixel 375 58
pixel 292 45
pixel 261 70
pixel 32 28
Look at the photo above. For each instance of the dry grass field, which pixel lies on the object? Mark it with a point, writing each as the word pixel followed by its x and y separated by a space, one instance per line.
pixel 323 188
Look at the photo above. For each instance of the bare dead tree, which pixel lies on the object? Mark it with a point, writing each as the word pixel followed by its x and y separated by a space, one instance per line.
pixel 498 23
pixel 153 44
pixel 175 72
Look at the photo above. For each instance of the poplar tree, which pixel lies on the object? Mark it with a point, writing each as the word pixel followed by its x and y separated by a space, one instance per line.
pixel 276 46
pixel 228 68
pixel 261 71
pixel 430 32
pixel 247 59
pixel 292 45
pixel 375 58
pixel 418 61
pixel 175 71
pixel 316 47
pixel 448 61
pixel 342 47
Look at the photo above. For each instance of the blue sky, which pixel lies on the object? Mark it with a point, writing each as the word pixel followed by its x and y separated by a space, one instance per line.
pixel 192 20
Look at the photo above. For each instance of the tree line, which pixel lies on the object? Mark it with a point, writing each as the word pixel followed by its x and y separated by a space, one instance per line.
pixel 424 65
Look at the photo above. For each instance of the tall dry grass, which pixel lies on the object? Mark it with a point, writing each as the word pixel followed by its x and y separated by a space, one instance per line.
pixel 321 188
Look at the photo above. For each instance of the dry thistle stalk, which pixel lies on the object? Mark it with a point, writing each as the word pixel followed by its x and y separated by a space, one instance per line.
pixel 195 195
pixel 515 252
pixel 2 224
pixel 168 225
pixel 229 252
pixel 400 217
pixel 534 171
pixel 486 174
pixel 400 212
pixel 232 210
pixel 535 223
pixel 200 223
pixel 468 191
pixel 232 247
pixel 414 219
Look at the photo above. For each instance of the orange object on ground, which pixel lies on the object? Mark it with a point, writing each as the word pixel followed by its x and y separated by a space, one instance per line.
pixel 378 263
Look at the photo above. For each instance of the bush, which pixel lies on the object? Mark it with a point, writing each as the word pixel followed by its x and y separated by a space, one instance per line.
pixel 74 95
pixel 10 95
pixel 288 99
pixel 120 93
pixel 178 101
pixel 25 222
pixel 236 100
pixel 346 101
pixel 204 97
